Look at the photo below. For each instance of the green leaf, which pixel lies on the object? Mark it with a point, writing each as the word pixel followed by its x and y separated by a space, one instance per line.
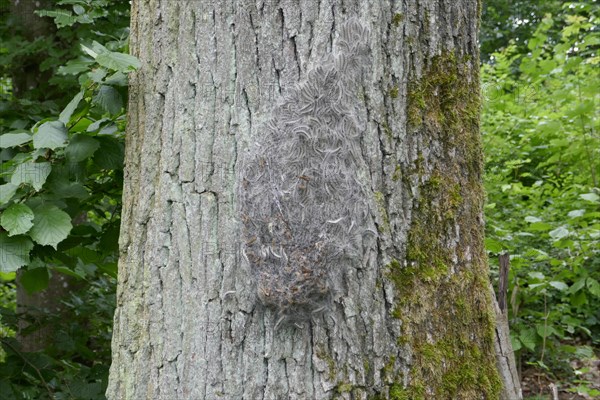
pixel 31 173
pixel 545 331
pixel 78 9
pixel 493 245
pixel 87 390
pixel 516 343
pixel 578 299
pixel 559 233
pixel 14 139
pixel 584 352
pixel 109 268
pixel 108 129
pixel 64 189
pixel 97 74
pixel 50 135
pixel 539 227
pixel 531 218
pixel 118 61
pixel 593 197
pixel 593 286
pixel 535 285
pixel 93 50
pixel 75 67
pixel 117 79
pixel 94 126
pixel 35 279
pixel 558 285
pixel 69 272
pixel 7 191
pixel 577 286
pixel 110 155
pixel 51 225
pixel 14 252
pixel 576 213
pixel 536 275
pixel 99 48
pixel 109 99
pixel 81 125
pixel 62 18
pixel 81 147
pixel 65 115
pixel 16 219
pixel 86 255
pixel 528 338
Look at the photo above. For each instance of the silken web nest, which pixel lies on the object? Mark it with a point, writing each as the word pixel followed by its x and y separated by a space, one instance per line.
pixel 303 209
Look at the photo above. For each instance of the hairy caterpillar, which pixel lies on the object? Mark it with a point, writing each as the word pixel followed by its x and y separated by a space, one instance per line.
pixel 303 208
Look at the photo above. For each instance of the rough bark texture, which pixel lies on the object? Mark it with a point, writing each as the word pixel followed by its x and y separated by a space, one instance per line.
pixel 505 357
pixel 413 318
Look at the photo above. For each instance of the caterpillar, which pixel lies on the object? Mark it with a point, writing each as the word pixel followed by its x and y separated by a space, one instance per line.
pixel 303 207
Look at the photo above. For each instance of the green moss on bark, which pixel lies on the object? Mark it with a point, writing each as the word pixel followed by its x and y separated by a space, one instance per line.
pixel 381 207
pixel 398 17
pixel 443 295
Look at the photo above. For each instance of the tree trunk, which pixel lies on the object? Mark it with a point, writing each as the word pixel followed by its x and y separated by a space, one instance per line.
pixel 26 75
pixel 390 296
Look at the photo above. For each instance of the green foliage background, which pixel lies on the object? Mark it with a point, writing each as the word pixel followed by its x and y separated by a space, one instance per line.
pixel 540 128
pixel 61 148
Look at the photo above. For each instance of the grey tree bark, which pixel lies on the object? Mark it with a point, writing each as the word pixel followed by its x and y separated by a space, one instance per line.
pixel 411 316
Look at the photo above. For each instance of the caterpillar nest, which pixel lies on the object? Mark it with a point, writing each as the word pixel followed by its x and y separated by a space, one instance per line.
pixel 303 209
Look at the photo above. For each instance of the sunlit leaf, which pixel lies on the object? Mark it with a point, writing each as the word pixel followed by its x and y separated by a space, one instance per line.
pixel 118 61
pixel 578 285
pixel 593 197
pixel 558 285
pixel 531 218
pixel 51 135
pixel 17 219
pixel 14 139
pixel 559 233
pixel 75 67
pixel 7 191
pixel 539 227
pixel 593 286
pixel 516 343
pixel 493 245
pixel 51 225
pixel 576 213
pixel 536 275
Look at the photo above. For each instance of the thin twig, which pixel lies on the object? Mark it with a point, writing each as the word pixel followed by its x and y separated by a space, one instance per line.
pixel 17 352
